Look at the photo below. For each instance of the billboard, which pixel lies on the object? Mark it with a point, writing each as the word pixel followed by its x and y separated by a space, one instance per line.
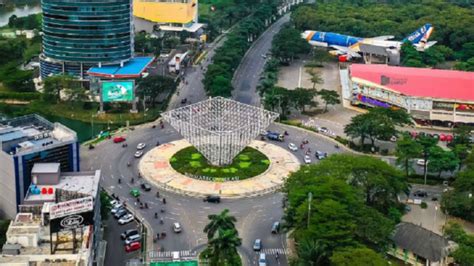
pixel 69 207
pixel 117 91
pixel 72 221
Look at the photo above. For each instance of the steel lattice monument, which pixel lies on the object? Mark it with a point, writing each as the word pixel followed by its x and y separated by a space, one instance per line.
pixel 219 128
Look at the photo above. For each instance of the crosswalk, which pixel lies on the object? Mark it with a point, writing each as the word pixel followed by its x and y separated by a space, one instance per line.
pixel 273 251
pixel 169 254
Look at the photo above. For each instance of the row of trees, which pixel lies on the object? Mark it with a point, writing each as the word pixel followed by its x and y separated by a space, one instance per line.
pixel 218 77
pixel 364 19
pixel 343 210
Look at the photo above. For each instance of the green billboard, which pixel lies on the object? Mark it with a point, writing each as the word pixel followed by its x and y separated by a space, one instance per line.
pixel 117 91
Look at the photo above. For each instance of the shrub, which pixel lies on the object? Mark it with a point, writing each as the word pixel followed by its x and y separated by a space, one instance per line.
pixel 423 205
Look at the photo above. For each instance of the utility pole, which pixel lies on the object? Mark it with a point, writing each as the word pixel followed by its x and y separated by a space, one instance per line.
pixel 310 198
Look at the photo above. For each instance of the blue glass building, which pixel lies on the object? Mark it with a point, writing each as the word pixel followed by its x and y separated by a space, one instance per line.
pixel 79 34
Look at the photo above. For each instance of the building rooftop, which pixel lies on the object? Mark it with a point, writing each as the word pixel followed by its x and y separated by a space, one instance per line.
pixel 130 69
pixel 419 82
pixel 32 133
pixel 45 168
pixel 421 241
pixel 83 183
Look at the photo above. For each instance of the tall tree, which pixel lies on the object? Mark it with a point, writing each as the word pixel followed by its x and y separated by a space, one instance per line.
pixel 222 249
pixel 441 160
pixel 372 125
pixel 407 149
pixel 427 143
pixel 315 77
pixel 222 221
pixel 312 252
pixel 303 97
pixel 330 97
pixel 153 86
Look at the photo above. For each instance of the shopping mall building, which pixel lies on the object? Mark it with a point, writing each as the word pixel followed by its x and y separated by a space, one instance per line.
pixel 431 96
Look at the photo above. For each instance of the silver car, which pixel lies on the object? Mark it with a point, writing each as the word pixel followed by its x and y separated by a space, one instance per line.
pixel 141 146
pixel 138 154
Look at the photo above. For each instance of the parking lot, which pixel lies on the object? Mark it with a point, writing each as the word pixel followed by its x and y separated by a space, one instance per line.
pixel 116 254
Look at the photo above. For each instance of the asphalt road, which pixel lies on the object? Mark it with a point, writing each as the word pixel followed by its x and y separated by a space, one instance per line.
pixel 255 216
pixel 115 254
pixel 247 76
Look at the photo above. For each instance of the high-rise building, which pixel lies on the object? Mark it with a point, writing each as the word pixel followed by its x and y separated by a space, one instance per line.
pixel 80 34
pixel 25 141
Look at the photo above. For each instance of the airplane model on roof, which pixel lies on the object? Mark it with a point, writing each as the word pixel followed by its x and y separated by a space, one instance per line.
pixel 349 45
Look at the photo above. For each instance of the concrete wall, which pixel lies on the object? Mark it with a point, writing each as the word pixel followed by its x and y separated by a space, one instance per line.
pixel 47 178
pixel 7 186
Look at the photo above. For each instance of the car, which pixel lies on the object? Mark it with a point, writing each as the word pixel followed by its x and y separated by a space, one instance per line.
pixel 176 227
pixel 420 162
pixel 114 202
pixel 138 154
pixel 262 260
pixel 393 139
pixel 129 232
pixel 126 219
pixel 212 198
pixel 146 186
pixel 133 238
pixel 135 192
pixel 133 247
pixel 264 56
pixel 116 209
pixel 119 139
pixel 420 194
pixel 141 146
pixel 307 159
pixel 120 213
pixel 292 147
pixel 275 227
pixel 320 155
pixel 257 245
pixel 323 130
pixel 184 100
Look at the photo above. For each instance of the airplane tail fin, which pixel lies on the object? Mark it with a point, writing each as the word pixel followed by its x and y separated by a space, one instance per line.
pixel 420 35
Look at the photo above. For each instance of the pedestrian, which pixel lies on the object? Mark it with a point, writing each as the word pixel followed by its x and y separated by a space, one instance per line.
pixel 164 200
pixel 157 194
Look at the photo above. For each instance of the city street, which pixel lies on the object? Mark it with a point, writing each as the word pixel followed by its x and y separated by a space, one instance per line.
pixel 255 216
pixel 247 76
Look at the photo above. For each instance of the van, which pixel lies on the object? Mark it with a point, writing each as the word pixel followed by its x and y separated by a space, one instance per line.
pixel 262 260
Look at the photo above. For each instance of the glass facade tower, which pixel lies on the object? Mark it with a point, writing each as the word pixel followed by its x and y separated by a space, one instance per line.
pixel 79 34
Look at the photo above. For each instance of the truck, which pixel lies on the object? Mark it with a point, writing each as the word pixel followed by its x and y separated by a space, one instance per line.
pixel 275 136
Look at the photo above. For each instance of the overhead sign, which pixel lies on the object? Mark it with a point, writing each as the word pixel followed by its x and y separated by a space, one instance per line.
pixel 66 208
pixel 72 221
pixel 117 91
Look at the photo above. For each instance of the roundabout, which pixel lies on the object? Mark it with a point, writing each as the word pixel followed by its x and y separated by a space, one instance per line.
pixel 156 167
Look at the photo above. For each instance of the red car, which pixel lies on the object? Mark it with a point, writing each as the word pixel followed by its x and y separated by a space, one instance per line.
pixel 119 139
pixel 133 246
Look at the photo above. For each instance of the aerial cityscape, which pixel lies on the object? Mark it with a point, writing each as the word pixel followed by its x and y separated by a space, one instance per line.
pixel 229 133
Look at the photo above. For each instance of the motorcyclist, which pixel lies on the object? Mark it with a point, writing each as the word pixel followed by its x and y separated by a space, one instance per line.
pixel 119 180
pixel 133 180
pixel 161 220
pixel 164 200
pixel 156 215
pixel 128 163
pixel 157 194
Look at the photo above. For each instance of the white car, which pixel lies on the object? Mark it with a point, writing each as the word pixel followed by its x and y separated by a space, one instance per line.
pixel 116 208
pixel 141 146
pixel 138 154
pixel 307 159
pixel 126 219
pixel 292 147
pixel 420 162
pixel 176 227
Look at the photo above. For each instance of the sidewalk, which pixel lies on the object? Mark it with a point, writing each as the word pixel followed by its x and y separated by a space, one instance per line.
pixel 156 168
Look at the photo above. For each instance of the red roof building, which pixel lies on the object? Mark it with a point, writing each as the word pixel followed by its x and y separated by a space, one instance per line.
pixel 419 82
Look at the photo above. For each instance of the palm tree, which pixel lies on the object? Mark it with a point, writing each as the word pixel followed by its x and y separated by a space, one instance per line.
pixel 219 221
pixel 312 252
pixel 222 249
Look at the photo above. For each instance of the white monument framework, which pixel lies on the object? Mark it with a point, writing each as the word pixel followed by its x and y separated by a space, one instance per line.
pixel 219 128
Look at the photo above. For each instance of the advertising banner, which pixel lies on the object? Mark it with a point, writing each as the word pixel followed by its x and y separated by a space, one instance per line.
pixel 66 208
pixel 72 221
pixel 117 91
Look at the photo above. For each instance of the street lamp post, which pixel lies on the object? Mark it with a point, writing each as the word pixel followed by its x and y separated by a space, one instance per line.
pixel 310 198
pixel 426 169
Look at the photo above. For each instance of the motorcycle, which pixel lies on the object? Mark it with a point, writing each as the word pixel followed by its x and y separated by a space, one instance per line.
pixel 128 164
pixel 124 145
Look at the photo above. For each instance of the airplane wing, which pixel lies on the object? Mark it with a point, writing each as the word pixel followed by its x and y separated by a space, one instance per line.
pixel 421 46
pixel 341 50
pixel 382 38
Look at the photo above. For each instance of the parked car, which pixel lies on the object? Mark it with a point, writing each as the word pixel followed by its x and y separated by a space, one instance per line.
pixel 262 260
pixel 120 213
pixel 176 227
pixel 126 219
pixel 307 159
pixel 292 147
pixel 323 130
pixel 129 232
pixel 257 245
pixel 276 227
pixel 138 154
pixel 320 155
pixel 135 192
pixel 145 186
pixel 141 146
pixel 212 198
pixel 133 247
pixel 116 209
pixel 393 138
pixel 420 194
pixel 119 139
pixel 133 238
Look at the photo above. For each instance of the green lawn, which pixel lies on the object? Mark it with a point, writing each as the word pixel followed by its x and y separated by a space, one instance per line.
pixel 249 163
